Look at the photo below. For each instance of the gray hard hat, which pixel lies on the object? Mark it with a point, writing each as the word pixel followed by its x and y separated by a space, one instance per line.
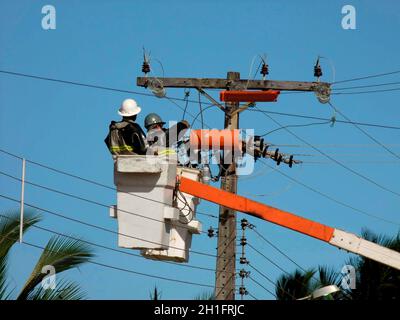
pixel 152 118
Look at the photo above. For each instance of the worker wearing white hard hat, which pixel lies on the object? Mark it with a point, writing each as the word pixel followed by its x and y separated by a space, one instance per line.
pixel 126 136
pixel 129 108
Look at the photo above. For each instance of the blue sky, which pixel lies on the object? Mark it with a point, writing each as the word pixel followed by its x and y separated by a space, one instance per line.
pixel 100 42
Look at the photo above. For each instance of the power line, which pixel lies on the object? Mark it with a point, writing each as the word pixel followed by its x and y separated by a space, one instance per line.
pixel 128 270
pixel 96 226
pixel 259 284
pixel 276 265
pixel 252 296
pixel 100 245
pixel 325 119
pixel 276 248
pixel 171 99
pixel 268 259
pixel 348 145
pixel 367 86
pixel 336 161
pixel 364 132
pixel 330 197
pixel 369 91
pixel 296 126
pixel 269 280
pixel 367 77
pixel 86 200
pixel 90 181
pixel 354 162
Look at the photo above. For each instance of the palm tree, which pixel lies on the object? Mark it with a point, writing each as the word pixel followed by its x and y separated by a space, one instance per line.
pixel 374 281
pixel 62 253
pixel 156 294
pixel 301 283
pixel 207 295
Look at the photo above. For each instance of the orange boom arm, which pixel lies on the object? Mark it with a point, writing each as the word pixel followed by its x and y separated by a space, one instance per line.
pixel 259 210
pixel 333 236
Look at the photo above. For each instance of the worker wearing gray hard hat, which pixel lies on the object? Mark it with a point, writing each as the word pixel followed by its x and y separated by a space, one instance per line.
pixel 161 136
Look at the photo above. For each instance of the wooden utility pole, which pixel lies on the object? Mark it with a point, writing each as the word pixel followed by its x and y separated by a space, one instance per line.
pixel 226 259
pixel 225 275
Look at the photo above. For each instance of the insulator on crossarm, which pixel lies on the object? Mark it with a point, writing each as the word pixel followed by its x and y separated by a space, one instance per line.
pixel 264 70
pixel 145 67
pixel 317 69
pixel 243 241
pixel 210 232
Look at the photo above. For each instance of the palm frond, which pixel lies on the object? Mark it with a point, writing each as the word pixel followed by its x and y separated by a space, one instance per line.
pixel 9 235
pixel 155 295
pixel 3 278
pixel 294 286
pixel 328 276
pixel 205 296
pixel 62 253
pixel 9 228
pixel 65 290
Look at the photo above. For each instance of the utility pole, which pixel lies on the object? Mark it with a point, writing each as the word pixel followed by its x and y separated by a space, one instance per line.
pixel 226 258
pixel 225 275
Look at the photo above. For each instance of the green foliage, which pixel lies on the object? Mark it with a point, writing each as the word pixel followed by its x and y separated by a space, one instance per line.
pixel 374 281
pixel 205 296
pixel 155 295
pixel 62 253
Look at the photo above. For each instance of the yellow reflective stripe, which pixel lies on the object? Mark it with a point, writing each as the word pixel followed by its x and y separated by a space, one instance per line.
pixel 121 148
pixel 166 152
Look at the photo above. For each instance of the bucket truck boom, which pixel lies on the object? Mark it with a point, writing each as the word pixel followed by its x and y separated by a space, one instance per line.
pixel 338 238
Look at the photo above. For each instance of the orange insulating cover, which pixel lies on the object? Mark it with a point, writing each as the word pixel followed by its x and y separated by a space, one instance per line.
pixel 249 96
pixel 256 209
pixel 216 140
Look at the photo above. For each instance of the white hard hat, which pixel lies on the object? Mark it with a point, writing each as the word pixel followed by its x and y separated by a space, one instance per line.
pixel 129 108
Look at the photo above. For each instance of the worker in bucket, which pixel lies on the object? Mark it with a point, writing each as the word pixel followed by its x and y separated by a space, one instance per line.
pixel 126 137
pixel 163 141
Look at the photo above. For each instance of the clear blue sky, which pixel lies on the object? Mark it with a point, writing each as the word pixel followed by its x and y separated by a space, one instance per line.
pixel 100 42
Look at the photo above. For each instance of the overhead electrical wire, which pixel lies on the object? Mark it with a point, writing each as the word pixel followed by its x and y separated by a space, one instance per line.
pixel 276 265
pixel 347 145
pixel 368 91
pixel 259 284
pixel 276 248
pixel 97 244
pixel 367 86
pixel 364 132
pixel 98 227
pixel 129 270
pixel 171 99
pixel 269 280
pixel 330 197
pixel 296 126
pixel 337 161
pixel 89 180
pixel 367 77
pixel 325 119
pixel 85 199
